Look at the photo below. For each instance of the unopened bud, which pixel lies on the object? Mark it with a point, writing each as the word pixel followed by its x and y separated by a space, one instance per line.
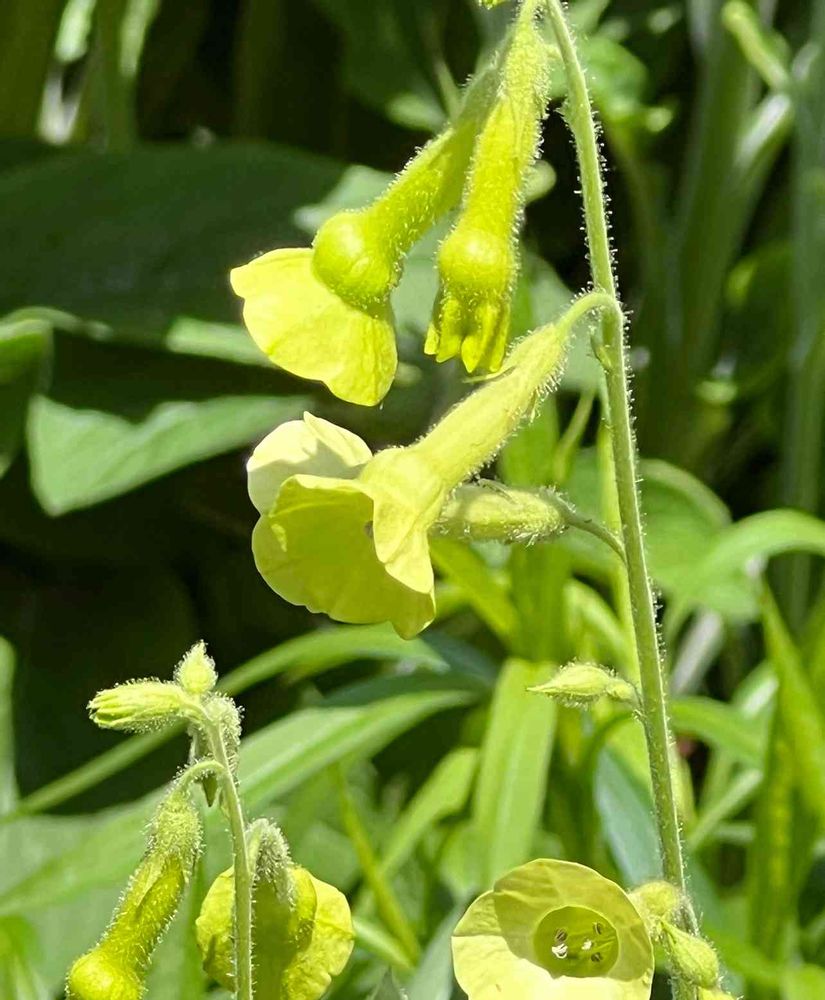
pixel 656 902
pixel 580 684
pixel 141 706
pixel 100 975
pixel 693 958
pixel 196 671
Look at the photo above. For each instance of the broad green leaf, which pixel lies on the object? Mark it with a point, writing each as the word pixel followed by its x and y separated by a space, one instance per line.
pixel 512 780
pixel 720 726
pixel 350 725
pixel 464 567
pixel 26 43
pixel 444 794
pixel 24 346
pixel 761 536
pixel 89 439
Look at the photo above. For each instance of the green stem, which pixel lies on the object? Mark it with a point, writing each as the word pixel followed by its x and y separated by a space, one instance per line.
pixel 654 697
pixel 240 853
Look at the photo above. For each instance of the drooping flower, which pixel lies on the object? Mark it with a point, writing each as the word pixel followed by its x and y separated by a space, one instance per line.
pixel 553 930
pixel 345 532
pixel 324 313
pixel 341 531
pixel 479 261
pixel 302 928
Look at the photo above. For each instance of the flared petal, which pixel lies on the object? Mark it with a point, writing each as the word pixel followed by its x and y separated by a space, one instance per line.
pixel 310 331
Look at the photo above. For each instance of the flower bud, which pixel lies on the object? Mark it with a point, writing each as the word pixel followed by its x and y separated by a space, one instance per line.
pixel 580 684
pixel 116 968
pixel 486 511
pixel 656 902
pixel 196 671
pixel 141 706
pixel 693 958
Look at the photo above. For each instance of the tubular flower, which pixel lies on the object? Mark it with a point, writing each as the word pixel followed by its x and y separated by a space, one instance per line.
pixel 553 930
pixel 324 313
pixel 303 930
pixel 478 262
pixel 345 532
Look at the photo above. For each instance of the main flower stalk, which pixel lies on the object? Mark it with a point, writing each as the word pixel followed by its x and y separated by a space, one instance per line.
pixel 651 669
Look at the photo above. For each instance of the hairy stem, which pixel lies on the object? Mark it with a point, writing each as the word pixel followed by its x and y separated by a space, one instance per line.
pixel 243 876
pixel 623 445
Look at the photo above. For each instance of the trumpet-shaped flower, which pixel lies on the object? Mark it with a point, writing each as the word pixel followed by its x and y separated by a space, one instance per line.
pixel 346 533
pixel 553 930
pixel 341 531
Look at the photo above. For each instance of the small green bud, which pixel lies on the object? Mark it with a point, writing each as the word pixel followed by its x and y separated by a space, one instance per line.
pixel 116 968
pixel 486 511
pixel 141 706
pixel 352 257
pixel 225 713
pixel 580 684
pixel 656 902
pixel 196 672
pixel 692 957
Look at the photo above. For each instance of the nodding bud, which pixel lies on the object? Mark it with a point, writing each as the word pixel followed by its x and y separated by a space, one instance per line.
pixel 142 706
pixel 580 684
pixel 196 672
pixel 486 511
pixel 352 257
pixel 116 968
pixel 656 902
pixel 693 958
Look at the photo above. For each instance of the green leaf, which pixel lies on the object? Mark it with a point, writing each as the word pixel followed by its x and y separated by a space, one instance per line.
pixel 19 978
pixel 512 780
pixel 26 43
pixel 350 725
pixel 802 722
pixel 803 983
pixel 24 346
pixel 433 979
pixel 464 567
pixel 90 439
pixel 384 55
pixel 388 989
pixel 710 582
pixel 721 727
pixel 8 785
pixel 443 794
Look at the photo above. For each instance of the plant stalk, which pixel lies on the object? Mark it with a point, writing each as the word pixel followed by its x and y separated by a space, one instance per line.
pixel 243 877
pixel 623 446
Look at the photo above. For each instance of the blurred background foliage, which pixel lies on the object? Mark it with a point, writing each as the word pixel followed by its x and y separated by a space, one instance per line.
pixel 146 146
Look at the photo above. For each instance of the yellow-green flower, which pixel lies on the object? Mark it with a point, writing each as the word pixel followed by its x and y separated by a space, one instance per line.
pixel 300 943
pixel 306 328
pixel 553 930
pixel 341 531
pixel 324 313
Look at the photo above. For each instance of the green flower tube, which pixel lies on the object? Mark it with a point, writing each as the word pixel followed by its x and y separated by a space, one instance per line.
pixel 115 969
pixel 553 930
pixel 478 262
pixel 346 533
pixel 324 313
